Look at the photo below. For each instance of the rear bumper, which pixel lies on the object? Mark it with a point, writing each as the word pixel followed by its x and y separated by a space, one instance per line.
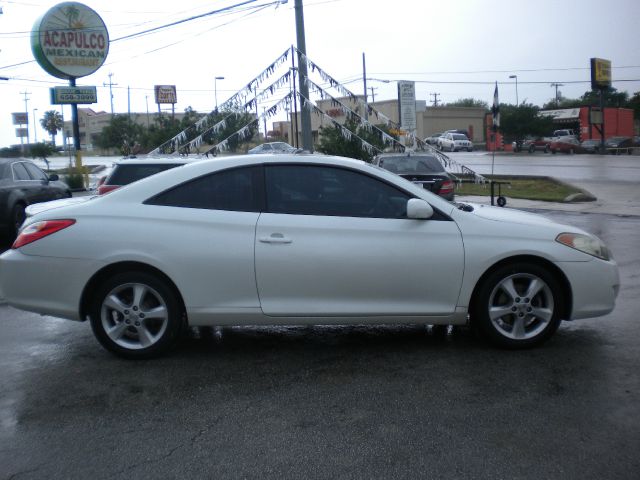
pixel 45 285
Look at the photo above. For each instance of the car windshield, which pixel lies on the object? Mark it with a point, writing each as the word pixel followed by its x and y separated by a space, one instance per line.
pixel 459 136
pixel 407 165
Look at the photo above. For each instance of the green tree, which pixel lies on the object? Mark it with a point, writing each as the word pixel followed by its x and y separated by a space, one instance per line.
pixel 468 102
pixel 612 98
pixel 52 122
pixel 517 122
pixel 42 150
pixel 333 142
pixel 234 123
pixel 634 103
pixel 121 133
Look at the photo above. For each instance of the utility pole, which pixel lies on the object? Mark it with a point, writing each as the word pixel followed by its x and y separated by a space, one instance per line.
pixel 557 85
pixel 110 85
pixel 364 79
pixel 435 98
pixel 129 102
pixel 35 126
pixel 305 113
pixel 146 100
pixel 373 95
pixel 264 120
pixel 26 111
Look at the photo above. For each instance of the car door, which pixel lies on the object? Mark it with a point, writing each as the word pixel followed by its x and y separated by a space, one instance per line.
pixel 47 190
pixel 336 242
pixel 204 232
pixel 32 191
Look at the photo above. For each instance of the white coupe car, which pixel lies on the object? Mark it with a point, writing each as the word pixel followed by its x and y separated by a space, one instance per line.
pixel 291 239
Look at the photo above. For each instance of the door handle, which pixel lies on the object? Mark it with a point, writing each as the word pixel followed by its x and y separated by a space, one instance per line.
pixel 275 238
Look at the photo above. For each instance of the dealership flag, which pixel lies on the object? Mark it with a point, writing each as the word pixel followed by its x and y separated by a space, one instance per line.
pixel 495 109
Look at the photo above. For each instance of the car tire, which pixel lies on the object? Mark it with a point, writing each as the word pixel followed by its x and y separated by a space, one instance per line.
pixel 571 151
pixel 18 216
pixel 546 149
pixel 136 315
pixel 553 151
pixel 518 306
pixel 532 148
pixel 452 149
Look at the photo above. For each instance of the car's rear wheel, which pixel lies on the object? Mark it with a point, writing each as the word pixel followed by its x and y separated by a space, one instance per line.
pixel 136 315
pixel 518 306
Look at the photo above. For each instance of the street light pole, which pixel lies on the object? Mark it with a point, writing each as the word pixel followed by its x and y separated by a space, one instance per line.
pixel 215 89
pixel 35 126
pixel 516 77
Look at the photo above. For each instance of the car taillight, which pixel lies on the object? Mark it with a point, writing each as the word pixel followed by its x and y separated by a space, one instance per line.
pixel 39 230
pixel 446 187
pixel 102 189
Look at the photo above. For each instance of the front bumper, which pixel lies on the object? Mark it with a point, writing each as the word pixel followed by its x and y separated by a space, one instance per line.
pixel 595 286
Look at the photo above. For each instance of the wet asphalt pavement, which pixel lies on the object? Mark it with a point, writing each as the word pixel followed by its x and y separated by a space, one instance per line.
pixel 330 402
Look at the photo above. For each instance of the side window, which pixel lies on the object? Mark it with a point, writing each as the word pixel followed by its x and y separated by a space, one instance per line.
pixel 35 172
pixel 19 172
pixel 237 189
pixel 330 191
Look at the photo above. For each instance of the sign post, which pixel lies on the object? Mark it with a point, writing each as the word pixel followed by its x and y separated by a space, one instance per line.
pixel 601 81
pixel 407 106
pixel 70 41
pixel 166 94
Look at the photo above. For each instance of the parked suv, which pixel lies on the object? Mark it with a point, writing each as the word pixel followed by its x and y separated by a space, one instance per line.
pixel 454 142
pixel 130 170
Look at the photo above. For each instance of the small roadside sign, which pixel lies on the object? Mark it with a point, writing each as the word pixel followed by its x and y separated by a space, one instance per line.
pixel 69 95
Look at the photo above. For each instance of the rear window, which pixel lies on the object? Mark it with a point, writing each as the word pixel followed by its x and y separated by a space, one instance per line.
pixel 124 174
pixel 407 165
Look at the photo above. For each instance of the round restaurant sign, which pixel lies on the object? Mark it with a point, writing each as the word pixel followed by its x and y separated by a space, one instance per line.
pixel 70 40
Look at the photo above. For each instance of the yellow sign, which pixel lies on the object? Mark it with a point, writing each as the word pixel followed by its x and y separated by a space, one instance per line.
pixel 600 73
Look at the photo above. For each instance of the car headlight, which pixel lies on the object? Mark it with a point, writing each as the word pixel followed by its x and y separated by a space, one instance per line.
pixel 588 244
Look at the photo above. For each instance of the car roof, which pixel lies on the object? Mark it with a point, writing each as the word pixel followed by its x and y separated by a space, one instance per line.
pixel 157 160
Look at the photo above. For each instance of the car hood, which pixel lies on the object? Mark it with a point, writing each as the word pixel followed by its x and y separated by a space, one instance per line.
pixel 63 202
pixel 509 215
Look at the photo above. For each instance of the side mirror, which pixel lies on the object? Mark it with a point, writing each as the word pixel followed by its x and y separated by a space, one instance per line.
pixel 54 177
pixel 419 209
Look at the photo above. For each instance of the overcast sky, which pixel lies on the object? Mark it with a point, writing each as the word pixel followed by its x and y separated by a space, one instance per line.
pixel 456 49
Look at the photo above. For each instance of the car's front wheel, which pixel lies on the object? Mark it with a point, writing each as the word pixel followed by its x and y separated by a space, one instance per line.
pixel 136 315
pixel 518 306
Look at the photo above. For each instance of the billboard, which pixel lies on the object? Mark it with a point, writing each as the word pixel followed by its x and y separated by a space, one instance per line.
pixel 70 40
pixel 600 73
pixel 165 94
pixel 407 104
pixel 20 118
